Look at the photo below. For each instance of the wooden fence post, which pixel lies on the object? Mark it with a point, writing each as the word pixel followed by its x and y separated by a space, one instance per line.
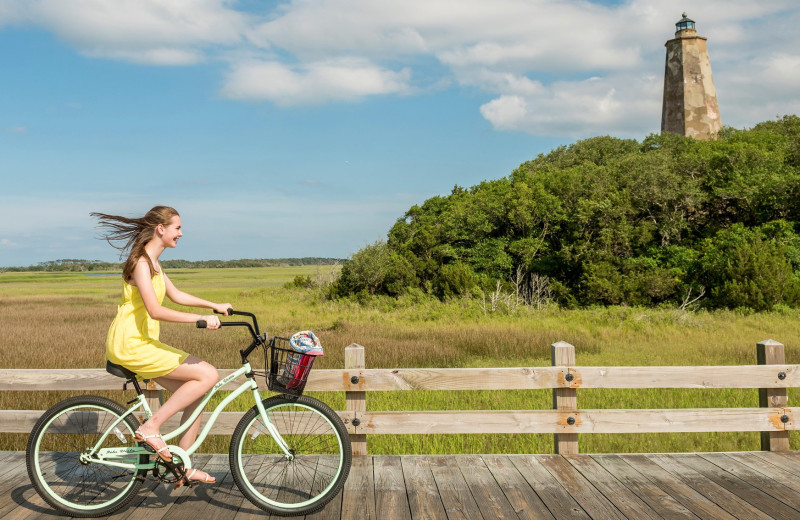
pixel 154 396
pixel 770 352
pixel 356 402
pixel 566 399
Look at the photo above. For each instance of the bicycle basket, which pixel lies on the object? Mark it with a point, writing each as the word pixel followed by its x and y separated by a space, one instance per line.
pixel 288 370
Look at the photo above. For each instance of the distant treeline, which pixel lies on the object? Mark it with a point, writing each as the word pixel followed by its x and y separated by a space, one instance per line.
pixel 668 221
pixel 80 265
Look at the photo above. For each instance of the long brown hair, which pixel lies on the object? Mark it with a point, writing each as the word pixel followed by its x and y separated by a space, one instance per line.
pixel 132 234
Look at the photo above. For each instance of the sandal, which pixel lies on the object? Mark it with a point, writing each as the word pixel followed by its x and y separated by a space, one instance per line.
pixel 150 446
pixel 208 479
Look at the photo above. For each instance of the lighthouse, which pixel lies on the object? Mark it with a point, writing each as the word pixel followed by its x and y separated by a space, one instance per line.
pixel 690 100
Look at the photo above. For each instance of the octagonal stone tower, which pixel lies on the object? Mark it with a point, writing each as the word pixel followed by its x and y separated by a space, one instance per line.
pixel 690 100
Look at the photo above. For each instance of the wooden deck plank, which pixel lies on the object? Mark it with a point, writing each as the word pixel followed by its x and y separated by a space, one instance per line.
pixel 358 501
pixel 787 460
pixel 776 459
pixel 15 483
pixel 550 491
pixel 686 495
pixel 223 499
pixel 31 505
pixel 754 496
pixel 456 497
pixel 588 497
pixel 163 498
pixel 9 458
pixel 491 500
pixel 630 505
pixel 766 483
pixel 331 511
pixel 423 495
pixel 391 500
pixel 659 500
pixel 777 472
pixel 732 503
pixel 194 501
pixel 519 493
pixel 752 485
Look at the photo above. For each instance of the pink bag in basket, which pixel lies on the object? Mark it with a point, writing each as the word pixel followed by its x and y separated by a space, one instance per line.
pixel 306 347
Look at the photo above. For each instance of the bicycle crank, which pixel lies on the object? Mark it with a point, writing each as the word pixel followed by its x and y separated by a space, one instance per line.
pixel 171 473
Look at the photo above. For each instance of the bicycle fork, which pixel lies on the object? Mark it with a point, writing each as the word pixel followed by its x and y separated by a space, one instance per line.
pixel 273 431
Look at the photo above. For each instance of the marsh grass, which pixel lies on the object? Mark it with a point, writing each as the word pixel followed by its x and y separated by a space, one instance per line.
pixel 53 320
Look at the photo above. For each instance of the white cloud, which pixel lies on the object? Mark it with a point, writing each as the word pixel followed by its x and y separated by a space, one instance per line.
pixel 158 32
pixel 568 66
pixel 313 83
pixel 151 56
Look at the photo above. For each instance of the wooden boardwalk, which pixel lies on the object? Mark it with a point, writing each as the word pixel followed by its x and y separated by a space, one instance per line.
pixel 743 485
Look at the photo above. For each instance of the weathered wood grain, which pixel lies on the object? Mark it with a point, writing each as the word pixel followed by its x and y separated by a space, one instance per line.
pixel 521 378
pixel 449 487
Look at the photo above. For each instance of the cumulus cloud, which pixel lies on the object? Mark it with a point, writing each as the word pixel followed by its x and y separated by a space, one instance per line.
pixel 571 67
pixel 158 32
pixel 312 83
pixel 578 108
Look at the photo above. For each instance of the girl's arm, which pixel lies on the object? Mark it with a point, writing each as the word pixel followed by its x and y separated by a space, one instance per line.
pixel 143 281
pixel 183 298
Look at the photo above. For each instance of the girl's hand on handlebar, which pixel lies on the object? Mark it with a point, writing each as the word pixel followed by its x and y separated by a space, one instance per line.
pixel 212 322
pixel 222 308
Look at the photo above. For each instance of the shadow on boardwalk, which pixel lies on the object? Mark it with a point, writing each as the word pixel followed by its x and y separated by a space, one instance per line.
pixel 745 485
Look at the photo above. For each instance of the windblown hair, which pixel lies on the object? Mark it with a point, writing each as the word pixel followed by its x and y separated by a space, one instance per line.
pixel 130 235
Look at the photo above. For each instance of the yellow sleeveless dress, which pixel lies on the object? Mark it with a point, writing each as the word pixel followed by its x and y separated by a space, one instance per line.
pixel 132 339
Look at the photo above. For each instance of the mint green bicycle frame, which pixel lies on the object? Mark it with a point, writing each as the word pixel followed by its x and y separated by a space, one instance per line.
pixel 106 456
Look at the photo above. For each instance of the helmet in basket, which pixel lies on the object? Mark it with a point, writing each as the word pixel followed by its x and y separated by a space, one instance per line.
pixel 306 342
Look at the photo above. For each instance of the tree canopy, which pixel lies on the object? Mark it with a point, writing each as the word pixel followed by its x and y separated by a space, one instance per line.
pixel 613 221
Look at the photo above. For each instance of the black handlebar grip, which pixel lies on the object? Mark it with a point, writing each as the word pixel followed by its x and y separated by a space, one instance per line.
pixel 201 324
pixel 229 312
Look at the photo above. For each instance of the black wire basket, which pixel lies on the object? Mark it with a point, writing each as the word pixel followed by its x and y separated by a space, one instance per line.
pixel 287 370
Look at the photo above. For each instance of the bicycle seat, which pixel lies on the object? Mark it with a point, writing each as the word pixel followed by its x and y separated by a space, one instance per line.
pixel 119 370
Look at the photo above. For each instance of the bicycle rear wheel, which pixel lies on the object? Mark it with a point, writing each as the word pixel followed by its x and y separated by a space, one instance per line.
pixel 64 432
pixel 315 471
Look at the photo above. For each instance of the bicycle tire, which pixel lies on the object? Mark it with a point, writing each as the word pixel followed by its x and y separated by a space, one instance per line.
pixel 58 438
pixel 318 469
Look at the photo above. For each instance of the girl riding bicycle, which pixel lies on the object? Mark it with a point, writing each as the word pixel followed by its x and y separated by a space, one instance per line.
pixel 132 340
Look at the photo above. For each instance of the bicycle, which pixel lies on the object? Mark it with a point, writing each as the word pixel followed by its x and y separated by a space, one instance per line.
pixel 289 454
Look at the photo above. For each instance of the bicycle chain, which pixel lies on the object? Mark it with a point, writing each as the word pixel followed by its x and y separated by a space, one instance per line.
pixel 155 470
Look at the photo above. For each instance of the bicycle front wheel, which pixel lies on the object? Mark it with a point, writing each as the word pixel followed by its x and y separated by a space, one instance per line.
pixel 68 430
pixel 313 472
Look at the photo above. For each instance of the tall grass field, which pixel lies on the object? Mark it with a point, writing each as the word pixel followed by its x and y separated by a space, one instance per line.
pixel 60 320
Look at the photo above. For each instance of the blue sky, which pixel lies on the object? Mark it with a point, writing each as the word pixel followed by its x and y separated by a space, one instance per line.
pixel 306 128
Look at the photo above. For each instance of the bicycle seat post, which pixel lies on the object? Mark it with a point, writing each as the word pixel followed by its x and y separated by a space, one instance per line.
pixel 130 377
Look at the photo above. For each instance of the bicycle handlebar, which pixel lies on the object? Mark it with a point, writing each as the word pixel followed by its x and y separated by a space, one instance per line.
pixel 201 324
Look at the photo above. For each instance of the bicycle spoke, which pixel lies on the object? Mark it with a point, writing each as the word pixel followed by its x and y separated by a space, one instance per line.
pixel 312 473
pixel 61 437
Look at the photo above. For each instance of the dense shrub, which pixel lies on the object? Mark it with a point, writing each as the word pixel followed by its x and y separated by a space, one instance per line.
pixel 613 221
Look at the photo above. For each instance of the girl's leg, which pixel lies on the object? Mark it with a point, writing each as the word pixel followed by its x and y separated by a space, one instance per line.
pixel 188 384
pixel 189 436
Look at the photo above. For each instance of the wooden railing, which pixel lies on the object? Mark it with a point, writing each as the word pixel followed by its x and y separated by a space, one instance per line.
pixel 773 418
